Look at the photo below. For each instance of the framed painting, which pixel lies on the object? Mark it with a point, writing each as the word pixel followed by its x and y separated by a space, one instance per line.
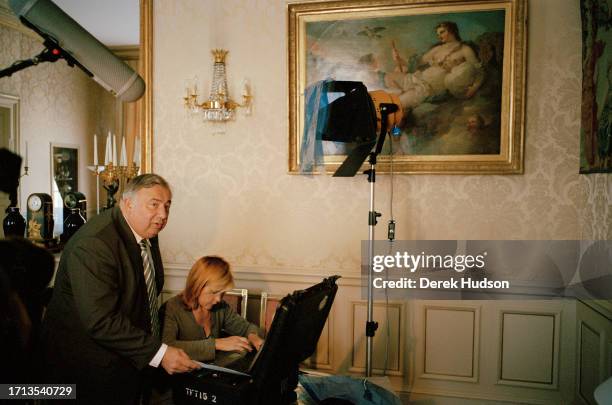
pixel 596 109
pixel 457 68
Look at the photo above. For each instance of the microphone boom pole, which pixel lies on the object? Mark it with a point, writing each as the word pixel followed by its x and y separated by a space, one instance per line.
pixel 51 53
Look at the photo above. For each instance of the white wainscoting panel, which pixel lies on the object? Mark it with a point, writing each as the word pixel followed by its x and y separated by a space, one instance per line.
pixel 451 343
pixel 388 343
pixel 594 349
pixel 529 349
pixel 590 356
pixel 435 326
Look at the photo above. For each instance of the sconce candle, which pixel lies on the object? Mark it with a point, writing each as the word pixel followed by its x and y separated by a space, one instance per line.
pixel 247 96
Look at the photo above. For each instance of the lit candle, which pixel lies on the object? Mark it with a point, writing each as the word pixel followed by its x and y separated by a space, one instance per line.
pixel 95 150
pixel 246 96
pixel 107 150
pixel 114 149
pixel 137 151
pixel 123 152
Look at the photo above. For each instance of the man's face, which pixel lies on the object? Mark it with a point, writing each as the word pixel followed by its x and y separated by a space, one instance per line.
pixel 147 211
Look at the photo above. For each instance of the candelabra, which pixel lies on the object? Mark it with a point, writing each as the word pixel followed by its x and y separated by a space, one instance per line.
pixel 112 177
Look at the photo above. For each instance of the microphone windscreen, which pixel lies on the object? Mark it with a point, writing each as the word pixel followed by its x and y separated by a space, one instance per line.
pixel 108 70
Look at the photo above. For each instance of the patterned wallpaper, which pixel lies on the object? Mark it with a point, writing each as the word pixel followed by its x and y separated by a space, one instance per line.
pixel 232 193
pixel 56 106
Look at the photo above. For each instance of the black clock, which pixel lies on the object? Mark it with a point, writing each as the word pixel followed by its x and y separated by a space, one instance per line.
pixel 40 217
pixel 74 199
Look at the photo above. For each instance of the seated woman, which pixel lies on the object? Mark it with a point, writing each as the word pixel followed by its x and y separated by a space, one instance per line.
pixel 195 318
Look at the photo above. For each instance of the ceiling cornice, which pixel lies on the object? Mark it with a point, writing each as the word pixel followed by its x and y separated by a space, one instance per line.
pixel 8 19
pixel 126 52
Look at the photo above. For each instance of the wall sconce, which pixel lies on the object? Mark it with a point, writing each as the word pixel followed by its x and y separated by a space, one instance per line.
pixel 219 106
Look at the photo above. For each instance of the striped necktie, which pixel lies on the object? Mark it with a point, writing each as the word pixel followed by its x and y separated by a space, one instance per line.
pixel 149 275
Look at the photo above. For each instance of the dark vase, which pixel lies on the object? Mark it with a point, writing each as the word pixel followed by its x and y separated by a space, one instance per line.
pixel 14 224
pixel 72 223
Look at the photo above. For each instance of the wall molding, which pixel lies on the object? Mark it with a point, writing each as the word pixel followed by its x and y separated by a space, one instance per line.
pixel 556 331
pixel 602 307
pixel 126 52
pixel 598 335
pixel 10 20
pixel 475 310
pixel 511 399
pixel 266 274
pixel 401 337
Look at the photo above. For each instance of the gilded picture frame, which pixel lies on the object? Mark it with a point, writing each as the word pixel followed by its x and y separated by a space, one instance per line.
pixel 458 68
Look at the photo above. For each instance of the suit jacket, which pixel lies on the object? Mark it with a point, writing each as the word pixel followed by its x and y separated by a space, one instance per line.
pixel 97 330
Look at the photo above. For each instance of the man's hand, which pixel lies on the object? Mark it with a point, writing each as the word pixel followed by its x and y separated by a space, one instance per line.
pixel 233 344
pixel 176 361
pixel 255 340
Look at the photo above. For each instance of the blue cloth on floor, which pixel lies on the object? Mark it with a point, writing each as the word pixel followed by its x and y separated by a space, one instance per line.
pixel 358 391
pixel 315 122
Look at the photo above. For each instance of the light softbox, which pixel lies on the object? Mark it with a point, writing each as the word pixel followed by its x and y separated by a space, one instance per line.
pixel 354 116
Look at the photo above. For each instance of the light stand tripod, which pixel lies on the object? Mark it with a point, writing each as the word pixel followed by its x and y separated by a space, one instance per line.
pixel 371 326
pixel 352 118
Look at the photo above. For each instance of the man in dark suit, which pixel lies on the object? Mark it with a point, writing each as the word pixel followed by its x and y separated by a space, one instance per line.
pixel 101 329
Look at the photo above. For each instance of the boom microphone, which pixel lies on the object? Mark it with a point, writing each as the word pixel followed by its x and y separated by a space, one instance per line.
pixel 78 47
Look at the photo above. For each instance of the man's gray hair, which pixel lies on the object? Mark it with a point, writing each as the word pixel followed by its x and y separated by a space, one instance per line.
pixel 147 180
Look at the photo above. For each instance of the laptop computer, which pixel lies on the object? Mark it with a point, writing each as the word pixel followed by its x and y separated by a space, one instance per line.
pixel 241 363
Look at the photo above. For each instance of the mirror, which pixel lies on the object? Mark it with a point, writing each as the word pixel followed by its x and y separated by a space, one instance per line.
pixel 9 137
pixel 136 118
pixel 130 119
pixel 9 122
